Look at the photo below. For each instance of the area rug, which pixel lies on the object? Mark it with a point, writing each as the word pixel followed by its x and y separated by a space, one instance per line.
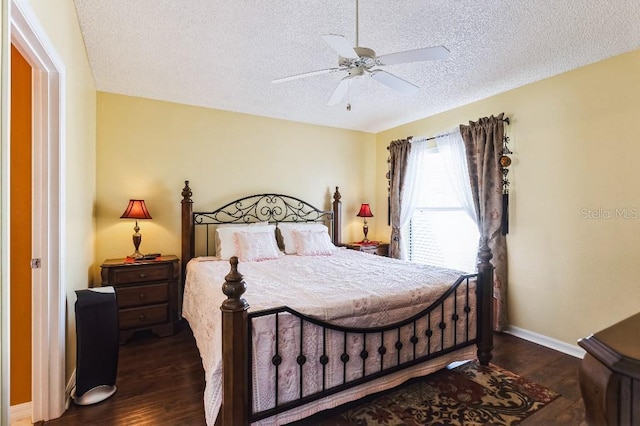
pixel 470 394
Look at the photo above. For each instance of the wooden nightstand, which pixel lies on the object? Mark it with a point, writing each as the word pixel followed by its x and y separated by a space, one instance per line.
pixel 379 248
pixel 147 294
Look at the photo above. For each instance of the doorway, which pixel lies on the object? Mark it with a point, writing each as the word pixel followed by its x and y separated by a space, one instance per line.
pixel 48 293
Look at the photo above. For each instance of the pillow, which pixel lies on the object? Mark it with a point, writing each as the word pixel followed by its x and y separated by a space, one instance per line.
pixel 313 242
pixel 225 239
pixel 229 236
pixel 287 228
pixel 256 246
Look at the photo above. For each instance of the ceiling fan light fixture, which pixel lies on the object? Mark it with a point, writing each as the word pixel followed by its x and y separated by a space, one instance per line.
pixel 356 72
pixel 358 60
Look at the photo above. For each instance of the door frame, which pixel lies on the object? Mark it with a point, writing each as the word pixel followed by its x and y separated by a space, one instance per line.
pixel 48 192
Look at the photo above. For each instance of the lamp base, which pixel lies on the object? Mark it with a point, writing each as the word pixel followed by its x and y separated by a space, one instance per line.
pixel 365 231
pixel 137 239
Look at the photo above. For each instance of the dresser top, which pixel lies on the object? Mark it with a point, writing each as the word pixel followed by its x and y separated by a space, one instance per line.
pixel 617 347
pixel 623 337
pixel 368 244
pixel 123 261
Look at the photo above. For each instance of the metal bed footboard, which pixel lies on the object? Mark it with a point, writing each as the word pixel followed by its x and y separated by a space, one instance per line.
pixel 355 355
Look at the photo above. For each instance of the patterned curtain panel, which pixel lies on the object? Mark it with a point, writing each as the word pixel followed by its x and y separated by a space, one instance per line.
pixel 399 155
pixel 483 142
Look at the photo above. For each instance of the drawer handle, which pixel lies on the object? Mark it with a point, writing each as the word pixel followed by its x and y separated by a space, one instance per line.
pixel 142 275
pixel 141 317
pixel 141 296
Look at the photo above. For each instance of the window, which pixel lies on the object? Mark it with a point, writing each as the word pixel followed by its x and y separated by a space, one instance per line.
pixel 441 233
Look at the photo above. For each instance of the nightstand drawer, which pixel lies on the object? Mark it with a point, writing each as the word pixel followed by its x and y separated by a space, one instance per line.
pixel 139 317
pixel 142 295
pixel 139 274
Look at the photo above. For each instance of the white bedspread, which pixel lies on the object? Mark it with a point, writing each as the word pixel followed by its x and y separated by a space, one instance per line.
pixel 348 288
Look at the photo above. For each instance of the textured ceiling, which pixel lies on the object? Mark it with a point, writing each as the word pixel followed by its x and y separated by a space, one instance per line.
pixel 223 54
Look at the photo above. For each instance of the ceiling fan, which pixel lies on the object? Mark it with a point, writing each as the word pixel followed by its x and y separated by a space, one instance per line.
pixel 359 61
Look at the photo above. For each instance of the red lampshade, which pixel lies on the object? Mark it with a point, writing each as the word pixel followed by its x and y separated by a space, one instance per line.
pixel 136 210
pixel 365 211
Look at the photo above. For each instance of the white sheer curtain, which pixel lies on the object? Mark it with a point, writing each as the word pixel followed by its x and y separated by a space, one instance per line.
pixel 453 153
pixel 410 191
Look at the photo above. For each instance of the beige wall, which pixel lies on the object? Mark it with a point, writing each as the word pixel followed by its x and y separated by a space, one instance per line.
pixel 147 149
pixel 576 154
pixel 59 21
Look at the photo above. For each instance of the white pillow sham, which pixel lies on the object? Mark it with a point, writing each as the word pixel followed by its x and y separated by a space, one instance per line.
pixel 225 237
pixel 313 242
pixel 256 246
pixel 287 228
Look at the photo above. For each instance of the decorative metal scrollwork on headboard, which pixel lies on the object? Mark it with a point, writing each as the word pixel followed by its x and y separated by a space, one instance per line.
pixel 271 208
pixel 264 208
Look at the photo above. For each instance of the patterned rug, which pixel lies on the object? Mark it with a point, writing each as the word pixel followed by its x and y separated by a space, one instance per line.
pixel 469 394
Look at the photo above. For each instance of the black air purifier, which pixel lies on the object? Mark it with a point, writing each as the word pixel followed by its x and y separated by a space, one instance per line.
pixel 97 345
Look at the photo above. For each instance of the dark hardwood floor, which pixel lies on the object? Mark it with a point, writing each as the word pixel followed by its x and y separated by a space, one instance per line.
pixel 161 382
pixel 552 369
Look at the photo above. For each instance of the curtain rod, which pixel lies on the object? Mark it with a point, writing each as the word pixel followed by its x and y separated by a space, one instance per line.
pixel 506 120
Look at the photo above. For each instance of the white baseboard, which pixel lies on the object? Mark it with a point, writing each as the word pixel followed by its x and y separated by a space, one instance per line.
pixel 20 413
pixel 551 343
pixel 68 392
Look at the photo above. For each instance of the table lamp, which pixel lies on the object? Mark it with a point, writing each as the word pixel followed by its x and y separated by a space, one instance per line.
pixel 136 210
pixel 365 212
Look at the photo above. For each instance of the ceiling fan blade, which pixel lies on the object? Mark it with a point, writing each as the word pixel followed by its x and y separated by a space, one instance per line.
pixel 341 90
pixel 340 45
pixel 394 82
pixel 306 74
pixel 417 55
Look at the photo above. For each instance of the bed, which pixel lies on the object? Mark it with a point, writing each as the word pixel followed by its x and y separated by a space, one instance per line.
pixel 326 325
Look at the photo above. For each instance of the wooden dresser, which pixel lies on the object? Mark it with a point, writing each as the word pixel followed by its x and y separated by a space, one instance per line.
pixel 381 249
pixel 610 374
pixel 147 293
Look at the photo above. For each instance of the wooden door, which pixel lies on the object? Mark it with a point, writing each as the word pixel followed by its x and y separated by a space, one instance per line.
pixel 21 225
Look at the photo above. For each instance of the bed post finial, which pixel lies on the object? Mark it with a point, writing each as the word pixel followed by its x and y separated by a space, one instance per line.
pixel 485 302
pixel 234 287
pixel 186 193
pixel 235 341
pixel 337 218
